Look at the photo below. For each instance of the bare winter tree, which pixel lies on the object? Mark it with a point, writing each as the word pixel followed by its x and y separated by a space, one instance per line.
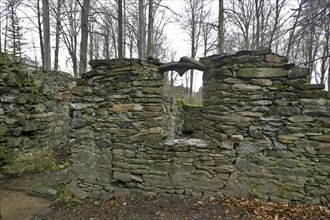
pixel 196 12
pixel 150 28
pixel 308 42
pixel 70 29
pixel 120 30
pixel 221 30
pixel 84 36
pixel 13 29
pixel 141 30
pixel 57 33
pixel 46 31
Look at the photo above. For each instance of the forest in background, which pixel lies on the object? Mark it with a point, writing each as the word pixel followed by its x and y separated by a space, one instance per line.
pixel 57 34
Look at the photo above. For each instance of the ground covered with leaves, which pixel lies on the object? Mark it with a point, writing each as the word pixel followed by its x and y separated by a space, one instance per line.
pixel 182 208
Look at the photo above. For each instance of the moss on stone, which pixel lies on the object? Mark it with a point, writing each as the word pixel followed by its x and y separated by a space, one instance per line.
pixel 31 162
pixel 184 104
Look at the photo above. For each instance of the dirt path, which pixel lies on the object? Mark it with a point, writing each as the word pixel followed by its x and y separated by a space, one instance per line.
pixel 16 205
pixel 21 198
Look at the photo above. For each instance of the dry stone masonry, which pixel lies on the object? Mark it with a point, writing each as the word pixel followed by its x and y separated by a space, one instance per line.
pixel 272 126
pixel 120 117
pixel 33 118
pixel 263 130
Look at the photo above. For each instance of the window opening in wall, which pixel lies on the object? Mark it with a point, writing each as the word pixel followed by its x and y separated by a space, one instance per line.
pixel 179 86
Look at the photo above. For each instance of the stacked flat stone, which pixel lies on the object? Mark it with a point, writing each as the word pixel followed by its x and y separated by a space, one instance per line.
pixel 264 132
pixel 263 111
pixel 33 117
pixel 120 117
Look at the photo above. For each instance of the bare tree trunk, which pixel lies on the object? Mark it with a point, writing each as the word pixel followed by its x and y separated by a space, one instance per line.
pixel 292 32
pixel 258 5
pixel 278 7
pixel 13 30
pixel 221 30
pixel 40 33
pixel 140 31
pixel 46 31
pixel 150 29
pixel 57 33
pixel 6 36
pixel 84 36
pixel 120 29
pixel 91 41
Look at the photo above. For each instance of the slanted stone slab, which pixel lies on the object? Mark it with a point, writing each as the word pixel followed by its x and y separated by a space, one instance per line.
pixel 262 73
pixel 185 64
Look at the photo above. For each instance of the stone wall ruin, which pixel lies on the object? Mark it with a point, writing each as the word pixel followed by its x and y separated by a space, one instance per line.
pixel 263 131
pixel 34 120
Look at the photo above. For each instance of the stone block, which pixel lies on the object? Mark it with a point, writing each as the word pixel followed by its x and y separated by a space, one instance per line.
pixel 285 111
pixel 313 94
pixel 299 72
pixel 104 144
pixel 73 188
pixel 274 58
pixel 155 180
pixel 261 82
pixel 262 73
pixel 82 91
pixel 321 138
pixel 129 153
pixel 127 107
pixel 245 88
pixel 188 192
pixel 125 177
pixel 187 154
pixel 235 187
pixel 227 144
pixel 323 122
pixel 301 119
pixel 286 139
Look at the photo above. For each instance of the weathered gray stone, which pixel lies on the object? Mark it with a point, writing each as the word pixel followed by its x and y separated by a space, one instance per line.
pixel 82 90
pixel 285 111
pixel 274 58
pixel 324 149
pixel 227 144
pixel 301 119
pixel 46 192
pixel 234 187
pixel 127 107
pixel 298 72
pixel 76 191
pixel 321 138
pixel 261 82
pixel 3 129
pixel 262 73
pixel 245 88
pixel 105 143
pixel 78 123
pixel 125 177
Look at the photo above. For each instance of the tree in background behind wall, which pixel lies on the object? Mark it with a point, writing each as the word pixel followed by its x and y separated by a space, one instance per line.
pixel 130 28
